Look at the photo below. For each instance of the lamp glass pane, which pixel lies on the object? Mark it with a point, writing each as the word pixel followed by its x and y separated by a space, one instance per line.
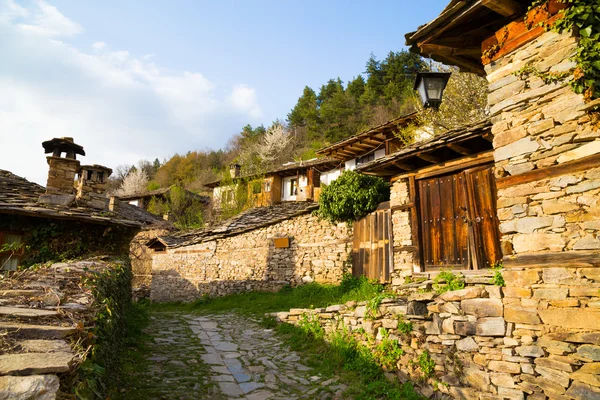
pixel 434 87
pixel 422 92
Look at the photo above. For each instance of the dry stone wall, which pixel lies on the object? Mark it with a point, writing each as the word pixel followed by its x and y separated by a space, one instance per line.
pixel 539 122
pixel 318 251
pixel 404 260
pixel 527 340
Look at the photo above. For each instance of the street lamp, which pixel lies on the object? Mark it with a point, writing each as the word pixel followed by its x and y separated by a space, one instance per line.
pixel 431 86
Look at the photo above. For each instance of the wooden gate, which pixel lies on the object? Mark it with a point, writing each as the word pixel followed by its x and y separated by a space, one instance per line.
pixel 372 246
pixel 459 228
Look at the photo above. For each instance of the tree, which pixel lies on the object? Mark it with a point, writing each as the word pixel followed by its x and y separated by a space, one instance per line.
pixel 135 182
pixel 352 196
pixel 274 145
pixel 305 113
pixel 185 210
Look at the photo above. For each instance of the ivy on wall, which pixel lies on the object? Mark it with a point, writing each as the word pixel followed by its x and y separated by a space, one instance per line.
pixel 583 18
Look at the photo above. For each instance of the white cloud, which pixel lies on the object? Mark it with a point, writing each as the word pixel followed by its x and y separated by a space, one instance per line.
pixel 120 107
pixel 244 99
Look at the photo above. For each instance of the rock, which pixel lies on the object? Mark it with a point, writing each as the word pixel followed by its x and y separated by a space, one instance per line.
pixel 434 327
pixel 504 366
pixel 482 307
pixel 551 294
pixel 510 394
pixel 26 312
pixel 34 363
pixel 360 312
pixel 530 351
pixel 558 206
pixel 520 279
pixel 470 292
pixel 509 136
pixel 588 242
pixel 33 387
pixel 580 152
pixel 555 363
pixel 37 331
pixel 590 352
pixel 586 377
pixel 591 337
pixel 582 391
pixel 521 315
pixel 522 146
pixel 477 378
pixel 45 346
pixel 464 328
pixel 517 292
pixel 538 242
pixel 502 380
pixel 530 224
pixel 493 326
pixel 571 318
pixel 467 344
pixel 556 275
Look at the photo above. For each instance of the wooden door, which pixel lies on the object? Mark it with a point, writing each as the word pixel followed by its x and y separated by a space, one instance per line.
pixel 459 227
pixel 443 204
pixel 372 245
pixel 481 188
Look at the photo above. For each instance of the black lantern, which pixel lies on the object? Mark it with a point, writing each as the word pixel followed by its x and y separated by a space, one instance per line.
pixel 430 86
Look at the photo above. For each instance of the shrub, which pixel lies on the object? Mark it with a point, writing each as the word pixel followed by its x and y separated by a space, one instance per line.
pixel 351 197
pixel 450 283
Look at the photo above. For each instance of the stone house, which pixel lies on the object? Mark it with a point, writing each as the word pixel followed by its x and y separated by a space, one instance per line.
pixel 537 336
pixel 69 217
pixel 293 181
pixel 367 146
pixel 263 248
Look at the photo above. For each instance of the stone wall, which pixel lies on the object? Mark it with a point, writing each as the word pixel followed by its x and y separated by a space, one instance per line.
pixel 318 251
pixel 141 261
pixel 402 232
pixel 539 125
pixel 526 340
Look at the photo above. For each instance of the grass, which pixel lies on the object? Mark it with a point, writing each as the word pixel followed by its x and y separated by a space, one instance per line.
pixel 312 295
pixel 343 356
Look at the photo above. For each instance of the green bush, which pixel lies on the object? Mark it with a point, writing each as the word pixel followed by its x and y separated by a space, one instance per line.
pixel 351 197
pixel 446 281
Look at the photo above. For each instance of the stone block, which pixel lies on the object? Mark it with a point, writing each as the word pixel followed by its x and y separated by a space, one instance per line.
pixel 510 394
pixel 502 379
pixel 531 224
pixel 467 345
pixel 477 378
pixel 482 307
pixel 509 136
pixel 535 242
pixel 522 146
pixel 551 294
pixel 470 292
pixel 416 308
pixel 521 315
pixel 492 326
pixel 583 391
pixel 530 351
pixel 520 279
pixel 589 352
pixel 38 387
pixel 580 152
pixel 516 292
pixel 504 366
pixel 571 318
pixel 465 328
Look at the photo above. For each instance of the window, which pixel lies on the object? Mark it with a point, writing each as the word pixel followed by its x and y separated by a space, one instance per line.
pixel 267 186
pixel 293 187
pixel 11 250
pixel 365 159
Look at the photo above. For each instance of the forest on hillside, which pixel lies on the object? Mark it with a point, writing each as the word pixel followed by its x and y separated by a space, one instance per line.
pixel 320 117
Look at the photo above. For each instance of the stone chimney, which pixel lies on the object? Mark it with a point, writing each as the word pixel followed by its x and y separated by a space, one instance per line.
pixel 235 170
pixel 92 185
pixel 60 186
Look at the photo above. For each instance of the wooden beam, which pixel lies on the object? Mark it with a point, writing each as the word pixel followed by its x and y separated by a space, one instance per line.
pixel 506 8
pixel 472 160
pixel 450 51
pixel 459 149
pixel 429 158
pixel 405 167
pixel 575 258
pixel 582 164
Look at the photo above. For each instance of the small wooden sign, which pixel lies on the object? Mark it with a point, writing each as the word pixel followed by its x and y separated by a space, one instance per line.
pixel 281 243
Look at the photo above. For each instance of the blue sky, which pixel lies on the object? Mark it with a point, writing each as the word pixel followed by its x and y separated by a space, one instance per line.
pixel 145 79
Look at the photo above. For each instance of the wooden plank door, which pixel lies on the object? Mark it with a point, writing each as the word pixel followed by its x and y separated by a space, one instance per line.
pixel 443 204
pixel 372 246
pixel 481 187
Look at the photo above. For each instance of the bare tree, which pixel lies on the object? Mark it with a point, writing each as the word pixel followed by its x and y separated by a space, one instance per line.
pixel 135 182
pixel 274 145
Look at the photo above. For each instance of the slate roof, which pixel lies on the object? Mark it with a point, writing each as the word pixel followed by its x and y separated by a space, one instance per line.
pixel 471 138
pixel 19 196
pixel 325 162
pixel 247 221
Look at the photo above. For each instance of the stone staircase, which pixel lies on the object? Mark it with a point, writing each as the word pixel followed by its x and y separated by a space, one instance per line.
pixel 42 318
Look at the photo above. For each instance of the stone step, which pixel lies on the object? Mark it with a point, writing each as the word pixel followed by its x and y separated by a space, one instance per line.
pixel 29 387
pixel 37 331
pixel 26 312
pixel 44 346
pixel 21 292
pixel 34 363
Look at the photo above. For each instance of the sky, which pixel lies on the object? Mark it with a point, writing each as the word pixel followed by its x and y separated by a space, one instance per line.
pixel 145 79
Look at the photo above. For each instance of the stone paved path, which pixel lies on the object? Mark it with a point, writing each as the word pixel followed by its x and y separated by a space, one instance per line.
pixel 225 356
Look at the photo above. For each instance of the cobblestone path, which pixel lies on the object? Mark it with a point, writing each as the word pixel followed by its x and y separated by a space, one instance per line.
pixel 224 356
